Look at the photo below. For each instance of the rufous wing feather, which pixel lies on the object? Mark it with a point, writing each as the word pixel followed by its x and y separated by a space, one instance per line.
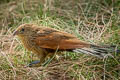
pixel 58 40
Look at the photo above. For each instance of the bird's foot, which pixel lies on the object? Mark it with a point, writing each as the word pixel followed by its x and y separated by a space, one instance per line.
pixel 57 57
pixel 34 64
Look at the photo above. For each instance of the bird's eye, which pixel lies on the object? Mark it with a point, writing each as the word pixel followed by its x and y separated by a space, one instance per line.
pixel 22 29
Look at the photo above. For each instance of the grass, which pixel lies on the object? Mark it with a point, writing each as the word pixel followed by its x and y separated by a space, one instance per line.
pixel 92 21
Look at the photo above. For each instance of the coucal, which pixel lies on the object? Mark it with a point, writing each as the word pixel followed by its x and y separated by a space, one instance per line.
pixel 44 41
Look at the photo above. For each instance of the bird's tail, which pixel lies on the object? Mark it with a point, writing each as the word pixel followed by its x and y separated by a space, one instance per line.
pixel 99 51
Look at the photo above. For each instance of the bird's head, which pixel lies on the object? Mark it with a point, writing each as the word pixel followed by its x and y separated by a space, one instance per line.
pixel 24 30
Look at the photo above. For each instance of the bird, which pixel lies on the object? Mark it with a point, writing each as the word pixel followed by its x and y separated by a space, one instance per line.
pixel 45 41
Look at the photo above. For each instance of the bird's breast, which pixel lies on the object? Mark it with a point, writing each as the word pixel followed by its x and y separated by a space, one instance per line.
pixel 28 44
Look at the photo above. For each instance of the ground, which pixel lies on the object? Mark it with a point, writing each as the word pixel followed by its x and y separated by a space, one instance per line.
pixel 94 21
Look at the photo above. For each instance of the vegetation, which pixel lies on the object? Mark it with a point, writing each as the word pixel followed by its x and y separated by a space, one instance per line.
pixel 94 21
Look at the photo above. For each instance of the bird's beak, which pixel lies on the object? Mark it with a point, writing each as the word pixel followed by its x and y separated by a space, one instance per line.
pixel 15 33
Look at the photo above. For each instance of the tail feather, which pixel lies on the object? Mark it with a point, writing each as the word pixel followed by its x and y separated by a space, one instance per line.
pixel 98 51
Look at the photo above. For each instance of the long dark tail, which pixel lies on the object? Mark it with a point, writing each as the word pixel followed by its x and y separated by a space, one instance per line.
pixel 99 51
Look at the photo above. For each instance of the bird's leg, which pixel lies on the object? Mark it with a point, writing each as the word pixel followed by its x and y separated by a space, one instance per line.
pixel 50 57
pixel 57 57
pixel 38 63
pixel 54 55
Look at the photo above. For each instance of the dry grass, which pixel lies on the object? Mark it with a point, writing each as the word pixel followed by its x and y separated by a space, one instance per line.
pixel 93 21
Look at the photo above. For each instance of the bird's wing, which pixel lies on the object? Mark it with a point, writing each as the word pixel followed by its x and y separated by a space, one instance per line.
pixel 53 39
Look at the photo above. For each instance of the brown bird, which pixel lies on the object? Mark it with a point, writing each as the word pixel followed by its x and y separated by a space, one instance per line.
pixel 44 41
